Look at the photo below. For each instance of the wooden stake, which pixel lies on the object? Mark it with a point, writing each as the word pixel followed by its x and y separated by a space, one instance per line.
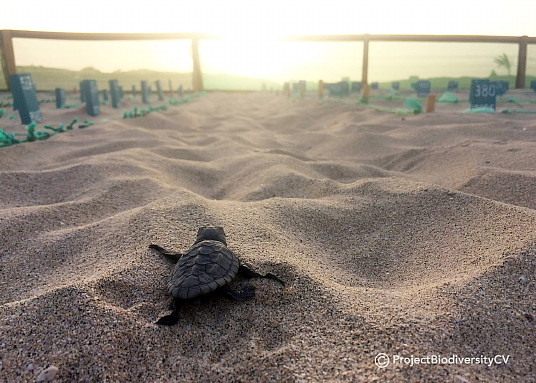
pixel 286 89
pixel 320 89
pixel 365 93
pixel 430 103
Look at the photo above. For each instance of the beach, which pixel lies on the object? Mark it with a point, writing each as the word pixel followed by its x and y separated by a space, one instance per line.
pixel 409 236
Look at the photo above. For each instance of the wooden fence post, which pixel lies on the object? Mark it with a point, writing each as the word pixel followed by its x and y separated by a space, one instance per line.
pixel 521 63
pixel 7 55
pixel 364 74
pixel 197 76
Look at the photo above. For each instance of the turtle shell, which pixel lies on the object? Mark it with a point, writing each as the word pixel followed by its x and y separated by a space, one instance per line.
pixel 202 269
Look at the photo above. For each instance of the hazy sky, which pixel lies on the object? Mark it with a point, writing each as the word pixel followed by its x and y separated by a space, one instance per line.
pixel 251 22
pixel 269 17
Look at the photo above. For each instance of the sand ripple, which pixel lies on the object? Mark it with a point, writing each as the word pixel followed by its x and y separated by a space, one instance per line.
pixel 395 235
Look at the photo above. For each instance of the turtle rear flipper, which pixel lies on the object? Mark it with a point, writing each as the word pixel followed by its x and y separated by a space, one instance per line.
pixel 246 293
pixel 169 320
pixel 247 272
pixel 170 255
pixel 173 318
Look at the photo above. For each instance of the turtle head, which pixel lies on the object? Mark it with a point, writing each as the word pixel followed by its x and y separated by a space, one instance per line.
pixel 214 233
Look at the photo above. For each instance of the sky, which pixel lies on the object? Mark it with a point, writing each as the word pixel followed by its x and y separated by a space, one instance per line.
pixel 271 17
pixel 250 26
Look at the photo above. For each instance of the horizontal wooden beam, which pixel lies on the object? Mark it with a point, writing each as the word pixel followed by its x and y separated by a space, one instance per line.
pixel 412 38
pixel 205 36
pixel 109 36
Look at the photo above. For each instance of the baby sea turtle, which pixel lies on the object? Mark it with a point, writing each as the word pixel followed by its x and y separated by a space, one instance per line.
pixel 206 267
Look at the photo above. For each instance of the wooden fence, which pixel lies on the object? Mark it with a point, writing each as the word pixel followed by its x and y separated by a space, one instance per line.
pixel 7 53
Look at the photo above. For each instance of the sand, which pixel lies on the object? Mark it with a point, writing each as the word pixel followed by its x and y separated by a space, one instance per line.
pixel 410 236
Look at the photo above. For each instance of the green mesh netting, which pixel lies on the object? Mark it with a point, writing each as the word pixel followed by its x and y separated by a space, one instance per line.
pixel 448 98
pixel 413 104
pixel 33 134
pixel 511 111
pixel 514 100
pixel 479 110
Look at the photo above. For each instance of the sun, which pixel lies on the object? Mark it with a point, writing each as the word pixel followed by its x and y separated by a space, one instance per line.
pixel 243 46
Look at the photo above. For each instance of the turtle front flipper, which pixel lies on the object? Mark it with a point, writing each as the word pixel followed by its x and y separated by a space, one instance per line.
pixel 173 318
pixel 247 272
pixel 171 256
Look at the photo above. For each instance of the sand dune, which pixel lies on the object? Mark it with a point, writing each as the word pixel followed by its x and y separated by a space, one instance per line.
pixel 409 236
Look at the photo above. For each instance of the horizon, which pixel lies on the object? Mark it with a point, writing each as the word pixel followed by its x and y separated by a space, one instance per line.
pixel 46 79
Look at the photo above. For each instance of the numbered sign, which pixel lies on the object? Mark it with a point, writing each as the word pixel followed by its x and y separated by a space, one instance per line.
pixel 339 89
pixel 355 86
pixel 60 98
pixel 24 98
pixel 374 85
pixel 114 91
pixel 453 85
pixel 15 104
pixel 82 92
pixel 104 93
pixel 423 88
pixel 483 94
pixel 395 85
pixel 501 87
pixel 159 91
pixel 91 95
pixel 345 85
pixel 144 92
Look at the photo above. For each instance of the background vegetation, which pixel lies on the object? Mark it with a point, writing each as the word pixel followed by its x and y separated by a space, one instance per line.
pixel 51 78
